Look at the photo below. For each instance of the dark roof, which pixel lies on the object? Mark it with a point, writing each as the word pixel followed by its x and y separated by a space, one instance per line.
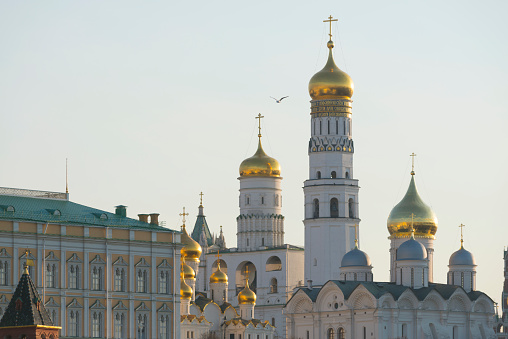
pixel 198 229
pixel 26 307
pixel 40 209
pixel 282 247
pixel 201 301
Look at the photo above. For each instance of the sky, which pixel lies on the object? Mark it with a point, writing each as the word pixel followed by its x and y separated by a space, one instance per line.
pixel 153 102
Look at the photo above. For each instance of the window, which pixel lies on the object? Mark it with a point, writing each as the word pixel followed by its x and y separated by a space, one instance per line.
pixel 273 321
pixel 50 275
pixel 262 241
pixel 247 200
pixel 412 277
pixel 262 200
pixel 273 285
pixel 404 330
pixel 351 208
pixel 347 175
pixel 344 127
pixel 96 278
pixel 318 175
pixel 462 279
pixel 120 279
pixel 334 208
pixel 163 281
pixel 341 334
pixel 142 323
pixel 336 126
pixel 316 208
pixel 247 242
pixel 334 174
pixel 273 264
pixel 328 126
pixel 142 270
pixel 364 332
pixel 163 327
pixel 276 200
pixel 73 324
pixel 455 332
pixel 96 324
pixel 73 276
pixel 320 127
pixel 118 326
pixel 331 334
pixel 308 335
pixel 4 269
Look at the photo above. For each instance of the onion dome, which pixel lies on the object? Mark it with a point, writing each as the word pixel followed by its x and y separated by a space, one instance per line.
pixel 355 257
pixel 185 290
pixel 331 82
pixel 218 276
pixel 462 257
pixel 188 272
pixel 260 165
pixel 191 249
pixel 411 250
pixel 246 296
pixel 424 220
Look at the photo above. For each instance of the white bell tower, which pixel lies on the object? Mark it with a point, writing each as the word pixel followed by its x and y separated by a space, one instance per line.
pixel 331 192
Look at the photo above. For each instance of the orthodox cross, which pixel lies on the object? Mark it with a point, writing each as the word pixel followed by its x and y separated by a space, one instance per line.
pixel 330 19
pixel 461 235
pixel 201 198
pixel 246 274
pixel 183 215
pixel 356 235
pixel 218 259
pixel 412 221
pixel 259 126
pixel 412 155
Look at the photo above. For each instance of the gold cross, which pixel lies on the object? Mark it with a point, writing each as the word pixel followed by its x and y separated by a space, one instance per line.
pixel 330 19
pixel 356 235
pixel 412 221
pixel 201 199
pixel 247 273
pixel 259 126
pixel 413 155
pixel 183 214
pixel 461 235
pixel 218 259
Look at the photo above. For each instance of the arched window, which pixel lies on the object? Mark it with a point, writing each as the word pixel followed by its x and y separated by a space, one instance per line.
pixel 344 127
pixel 331 334
pixel 272 264
pixel 315 262
pixel 351 208
pixel 334 208
pixel 4 268
pixel 334 174
pixel 318 175
pixel 347 175
pixel 316 208
pixel 119 279
pixel 341 333
pixel 273 285
pixel 328 126
pixel 336 126
pixel 320 127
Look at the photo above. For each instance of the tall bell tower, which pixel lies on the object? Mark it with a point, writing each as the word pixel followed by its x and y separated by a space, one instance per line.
pixel 331 192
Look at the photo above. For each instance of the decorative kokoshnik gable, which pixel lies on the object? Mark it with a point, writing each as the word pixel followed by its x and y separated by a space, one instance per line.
pixel 26 317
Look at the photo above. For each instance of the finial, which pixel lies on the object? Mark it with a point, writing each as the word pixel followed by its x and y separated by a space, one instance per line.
pixel 183 215
pixel 66 178
pixel 356 235
pixel 461 235
pixel 218 260
pixel 201 199
pixel 330 20
pixel 412 155
pixel 412 226
pixel 25 269
pixel 259 125
pixel 246 275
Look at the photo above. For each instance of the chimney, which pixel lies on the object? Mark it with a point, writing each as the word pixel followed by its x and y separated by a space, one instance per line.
pixel 121 211
pixel 154 218
pixel 143 217
pixel 309 284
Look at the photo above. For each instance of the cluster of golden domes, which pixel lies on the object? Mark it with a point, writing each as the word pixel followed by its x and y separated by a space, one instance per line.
pixel 260 165
pixel 185 290
pixel 191 249
pixel 412 212
pixel 331 82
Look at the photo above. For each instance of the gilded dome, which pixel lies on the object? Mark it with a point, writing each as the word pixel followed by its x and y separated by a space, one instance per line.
pixel 260 165
pixel 185 290
pixel 218 276
pixel 188 272
pixel 424 220
pixel 191 249
pixel 246 296
pixel 331 82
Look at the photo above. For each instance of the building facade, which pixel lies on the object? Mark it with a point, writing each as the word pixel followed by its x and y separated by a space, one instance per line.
pixel 100 274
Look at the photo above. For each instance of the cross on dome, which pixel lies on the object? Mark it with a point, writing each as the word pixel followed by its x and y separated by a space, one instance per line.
pixel 259 116
pixel 330 19
pixel 183 215
pixel 461 235
pixel 412 155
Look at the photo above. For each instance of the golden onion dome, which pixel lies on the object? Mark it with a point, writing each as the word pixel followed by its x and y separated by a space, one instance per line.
pixel 191 249
pixel 188 272
pixel 400 219
pixel 185 290
pixel 218 276
pixel 246 296
pixel 331 82
pixel 260 165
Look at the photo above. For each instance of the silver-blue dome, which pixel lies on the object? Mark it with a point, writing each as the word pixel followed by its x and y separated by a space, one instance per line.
pixel 411 250
pixel 355 257
pixel 462 257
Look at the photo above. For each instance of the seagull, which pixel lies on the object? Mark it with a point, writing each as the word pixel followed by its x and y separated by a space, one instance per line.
pixel 278 101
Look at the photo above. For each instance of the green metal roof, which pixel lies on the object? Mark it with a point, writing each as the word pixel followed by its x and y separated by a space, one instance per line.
pixel 62 211
pixel 199 226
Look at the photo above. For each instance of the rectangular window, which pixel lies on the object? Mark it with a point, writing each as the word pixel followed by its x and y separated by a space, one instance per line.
pixel 164 282
pixel 96 278
pixel 142 281
pixel 118 325
pixel 231 336
pixel 73 276
pixel 4 266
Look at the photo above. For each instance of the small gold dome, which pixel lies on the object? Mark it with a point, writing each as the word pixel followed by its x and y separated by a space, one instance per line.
pixel 185 290
pixel 260 165
pixel 331 82
pixel 424 220
pixel 188 272
pixel 191 249
pixel 246 296
pixel 218 276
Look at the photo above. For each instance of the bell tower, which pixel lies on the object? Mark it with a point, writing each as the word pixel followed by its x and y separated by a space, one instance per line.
pixel 331 192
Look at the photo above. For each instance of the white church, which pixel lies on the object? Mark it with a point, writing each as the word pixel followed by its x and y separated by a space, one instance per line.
pixel 264 288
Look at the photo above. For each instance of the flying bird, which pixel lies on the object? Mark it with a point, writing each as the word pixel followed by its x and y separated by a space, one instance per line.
pixel 279 100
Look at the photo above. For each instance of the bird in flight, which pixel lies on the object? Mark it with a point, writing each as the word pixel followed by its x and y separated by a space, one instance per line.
pixel 279 100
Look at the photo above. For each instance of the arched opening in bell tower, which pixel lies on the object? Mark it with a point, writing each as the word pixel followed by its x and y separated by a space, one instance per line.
pixel 315 209
pixel 334 208
pixel 351 208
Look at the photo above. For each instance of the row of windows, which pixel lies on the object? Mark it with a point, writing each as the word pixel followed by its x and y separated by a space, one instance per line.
pixel 249 336
pixel 334 208
pixel 97 275
pixel 330 128
pixel 333 175
pixel 275 201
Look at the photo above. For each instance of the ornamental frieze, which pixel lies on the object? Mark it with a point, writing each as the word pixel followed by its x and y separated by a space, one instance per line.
pixel 317 144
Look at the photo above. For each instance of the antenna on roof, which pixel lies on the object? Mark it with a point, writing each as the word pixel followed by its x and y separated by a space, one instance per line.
pixel 66 178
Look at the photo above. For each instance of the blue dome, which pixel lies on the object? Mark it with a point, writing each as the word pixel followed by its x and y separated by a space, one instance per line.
pixel 462 257
pixel 411 250
pixel 355 257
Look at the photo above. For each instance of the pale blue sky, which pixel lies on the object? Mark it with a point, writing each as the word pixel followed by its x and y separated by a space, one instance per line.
pixel 154 101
